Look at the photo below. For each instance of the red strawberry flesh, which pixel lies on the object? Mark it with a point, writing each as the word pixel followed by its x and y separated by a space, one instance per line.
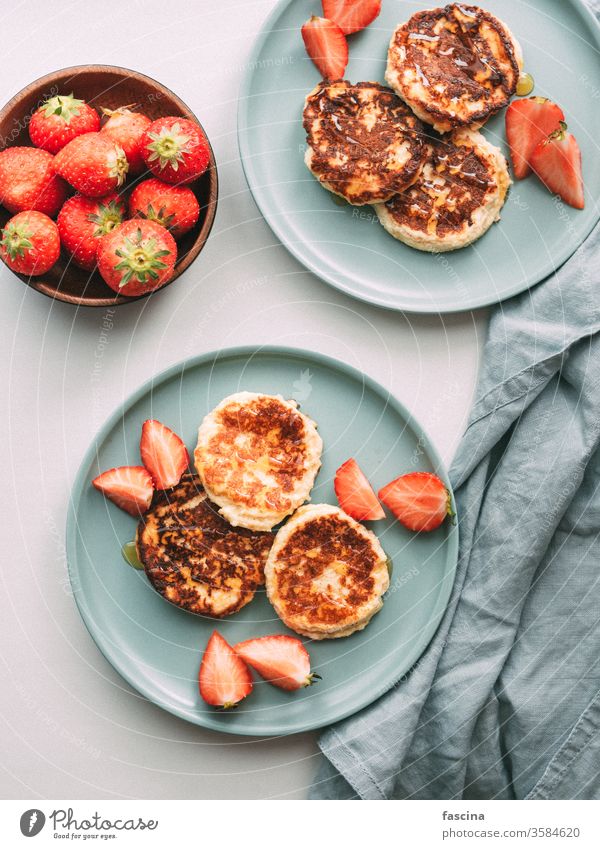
pixel 224 679
pixel 279 659
pixel 351 15
pixel 129 487
pixel 528 121
pixel 355 494
pixel 327 46
pixel 163 454
pixel 419 500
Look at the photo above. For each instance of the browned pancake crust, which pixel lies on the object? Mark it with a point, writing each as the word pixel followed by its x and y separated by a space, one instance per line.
pixel 460 59
pixel 186 545
pixel 342 127
pixel 299 567
pixel 465 173
pixel 272 429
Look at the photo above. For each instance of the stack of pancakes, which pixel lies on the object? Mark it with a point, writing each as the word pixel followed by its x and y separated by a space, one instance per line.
pixel 414 150
pixel 208 544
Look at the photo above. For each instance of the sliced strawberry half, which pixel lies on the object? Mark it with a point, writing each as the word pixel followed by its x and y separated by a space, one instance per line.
pixel 528 121
pixel 224 678
pixel 419 500
pixel 129 487
pixel 279 659
pixel 163 454
pixel 351 15
pixel 327 46
pixel 355 493
pixel 557 162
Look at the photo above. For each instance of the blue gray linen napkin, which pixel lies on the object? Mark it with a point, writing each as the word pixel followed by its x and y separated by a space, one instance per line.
pixel 505 702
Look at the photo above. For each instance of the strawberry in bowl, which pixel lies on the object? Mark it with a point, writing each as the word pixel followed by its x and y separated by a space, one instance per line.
pixel 137 257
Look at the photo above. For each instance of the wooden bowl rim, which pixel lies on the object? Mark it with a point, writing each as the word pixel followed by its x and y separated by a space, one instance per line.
pixel 211 173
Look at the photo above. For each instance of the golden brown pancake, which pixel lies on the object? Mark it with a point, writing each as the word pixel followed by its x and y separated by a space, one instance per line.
pixel 457 198
pixel 257 456
pixel 454 66
pixel 364 144
pixel 326 573
pixel 194 558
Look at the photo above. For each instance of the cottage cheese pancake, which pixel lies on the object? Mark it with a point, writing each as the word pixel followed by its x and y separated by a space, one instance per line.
pixel 257 457
pixel 326 573
pixel 454 66
pixel 457 197
pixel 364 144
pixel 194 558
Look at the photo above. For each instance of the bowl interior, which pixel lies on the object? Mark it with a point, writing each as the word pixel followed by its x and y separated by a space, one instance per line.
pixel 109 87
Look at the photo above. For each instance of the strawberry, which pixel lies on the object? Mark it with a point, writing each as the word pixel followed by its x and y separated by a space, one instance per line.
pixel 30 243
pixel 327 46
pixel 355 494
pixel 137 257
pixel 224 677
pixel 125 129
pixel 175 207
pixel 83 221
pixel 28 181
pixel 279 659
pixel 351 15
pixel 528 121
pixel 175 150
pixel 129 487
pixel 557 162
pixel 419 500
pixel 92 164
pixel 163 454
pixel 60 120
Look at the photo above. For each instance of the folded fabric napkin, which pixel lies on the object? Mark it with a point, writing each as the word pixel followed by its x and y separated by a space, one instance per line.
pixel 505 702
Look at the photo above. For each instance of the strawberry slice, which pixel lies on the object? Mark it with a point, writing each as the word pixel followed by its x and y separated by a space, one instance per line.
pixel 557 162
pixel 355 493
pixel 224 678
pixel 351 15
pixel 130 487
pixel 528 121
pixel 279 659
pixel 163 454
pixel 327 46
pixel 419 500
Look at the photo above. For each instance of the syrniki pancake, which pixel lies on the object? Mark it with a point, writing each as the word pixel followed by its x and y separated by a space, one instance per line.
pixel 364 144
pixel 194 558
pixel 454 66
pixel 326 573
pixel 257 457
pixel 458 196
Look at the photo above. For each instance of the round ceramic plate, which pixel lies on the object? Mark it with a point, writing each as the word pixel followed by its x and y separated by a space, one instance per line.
pixel 346 246
pixel 157 647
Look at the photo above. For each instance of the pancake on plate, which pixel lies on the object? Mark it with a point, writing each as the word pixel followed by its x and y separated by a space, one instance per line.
pixel 364 144
pixel 458 196
pixel 326 573
pixel 195 559
pixel 454 66
pixel 257 456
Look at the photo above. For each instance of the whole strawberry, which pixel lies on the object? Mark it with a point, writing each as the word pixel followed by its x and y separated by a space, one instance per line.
pixel 82 222
pixel 29 243
pixel 137 257
pixel 92 164
pixel 125 129
pixel 175 207
pixel 61 119
pixel 175 150
pixel 28 181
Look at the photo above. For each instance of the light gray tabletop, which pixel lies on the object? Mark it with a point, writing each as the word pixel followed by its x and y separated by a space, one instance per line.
pixel 71 728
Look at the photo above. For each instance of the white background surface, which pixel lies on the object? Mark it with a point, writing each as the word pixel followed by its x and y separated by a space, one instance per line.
pixel 71 728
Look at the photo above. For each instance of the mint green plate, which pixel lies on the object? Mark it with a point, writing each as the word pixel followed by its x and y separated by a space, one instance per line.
pixel 157 647
pixel 346 246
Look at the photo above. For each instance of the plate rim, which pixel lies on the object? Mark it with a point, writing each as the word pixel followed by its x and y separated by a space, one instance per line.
pixel 212 357
pixel 545 270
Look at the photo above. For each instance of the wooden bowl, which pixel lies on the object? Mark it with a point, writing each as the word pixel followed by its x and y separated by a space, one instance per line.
pixel 108 86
